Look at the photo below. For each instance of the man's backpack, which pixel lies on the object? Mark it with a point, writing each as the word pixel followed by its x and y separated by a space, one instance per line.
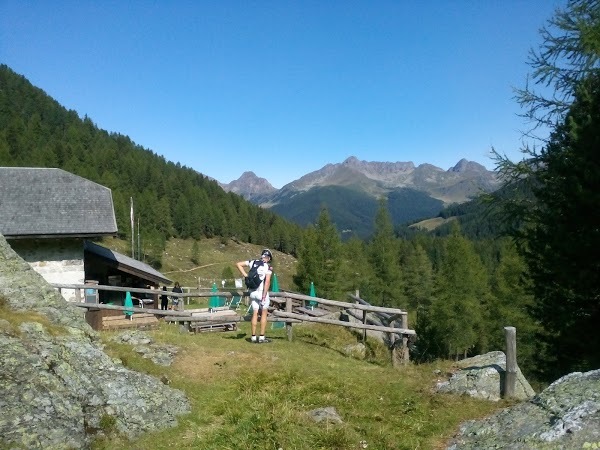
pixel 253 279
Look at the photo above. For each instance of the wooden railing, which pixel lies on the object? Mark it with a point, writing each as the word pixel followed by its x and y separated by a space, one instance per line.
pixel 285 299
pixel 399 353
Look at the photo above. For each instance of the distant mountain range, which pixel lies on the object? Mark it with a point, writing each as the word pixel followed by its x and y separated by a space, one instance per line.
pixel 350 190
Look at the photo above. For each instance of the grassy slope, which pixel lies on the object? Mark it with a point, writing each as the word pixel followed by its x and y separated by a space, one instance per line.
pixel 213 257
pixel 431 224
pixel 249 396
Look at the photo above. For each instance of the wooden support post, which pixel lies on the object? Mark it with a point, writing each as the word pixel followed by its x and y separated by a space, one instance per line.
pixel 198 298
pixel 364 336
pixel 510 378
pixel 393 349
pixel 405 354
pixel 288 325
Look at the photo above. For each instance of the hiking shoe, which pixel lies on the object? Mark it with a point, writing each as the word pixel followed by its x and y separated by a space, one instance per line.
pixel 253 339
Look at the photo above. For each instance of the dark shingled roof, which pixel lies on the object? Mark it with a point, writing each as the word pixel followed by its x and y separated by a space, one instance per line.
pixel 126 264
pixel 40 202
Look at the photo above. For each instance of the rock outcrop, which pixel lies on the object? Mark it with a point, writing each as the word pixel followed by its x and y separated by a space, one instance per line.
pixel 566 415
pixel 482 377
pixel 58 389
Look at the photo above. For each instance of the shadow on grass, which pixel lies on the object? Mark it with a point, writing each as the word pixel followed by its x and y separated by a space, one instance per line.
pixel 237 336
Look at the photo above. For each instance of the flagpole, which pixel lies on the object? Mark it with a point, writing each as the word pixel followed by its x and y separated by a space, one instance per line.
pixel 139 249
pixel 132 231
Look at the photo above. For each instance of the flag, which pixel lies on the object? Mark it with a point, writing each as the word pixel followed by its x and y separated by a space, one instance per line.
pixel 131 214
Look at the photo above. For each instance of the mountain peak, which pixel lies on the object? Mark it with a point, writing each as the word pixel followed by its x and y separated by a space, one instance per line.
pixel 351 160
pixel 467 166
pixel 248 175
pixel 250 186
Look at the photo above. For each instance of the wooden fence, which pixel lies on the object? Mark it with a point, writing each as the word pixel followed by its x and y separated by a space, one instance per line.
pixel 286 301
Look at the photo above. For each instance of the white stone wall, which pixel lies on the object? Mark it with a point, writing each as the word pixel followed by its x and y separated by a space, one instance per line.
pixel 57 260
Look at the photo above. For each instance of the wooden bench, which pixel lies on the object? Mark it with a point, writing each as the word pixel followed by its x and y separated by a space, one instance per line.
pixel 199 327
pixel 138 320
pixel 221 320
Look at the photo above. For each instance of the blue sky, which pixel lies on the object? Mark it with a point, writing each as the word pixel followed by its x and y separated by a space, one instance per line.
pixel 283 88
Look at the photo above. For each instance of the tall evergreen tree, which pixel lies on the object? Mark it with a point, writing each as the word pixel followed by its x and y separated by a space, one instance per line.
pixel 510 306
pixel 417 272
pixel 563 239
pixel 309 261
pixel 560 237
pixel 461 291
pixel 386 288
pixel 319 259
pixel 355 267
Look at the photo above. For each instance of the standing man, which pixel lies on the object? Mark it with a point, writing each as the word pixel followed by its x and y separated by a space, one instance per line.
pixel 260 295
pixel 164 299
pixel 177 289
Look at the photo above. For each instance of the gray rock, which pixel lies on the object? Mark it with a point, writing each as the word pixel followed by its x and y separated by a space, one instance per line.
pixel 161 354
pixel 328 414
pixel 58 389
pixel 483 377
pixel 358 350
pixel 566 415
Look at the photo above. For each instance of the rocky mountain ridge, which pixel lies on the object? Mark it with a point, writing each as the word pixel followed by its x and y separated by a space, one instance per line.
pixel 455 185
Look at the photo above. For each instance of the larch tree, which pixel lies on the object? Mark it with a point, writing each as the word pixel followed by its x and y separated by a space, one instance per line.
pixel 559 226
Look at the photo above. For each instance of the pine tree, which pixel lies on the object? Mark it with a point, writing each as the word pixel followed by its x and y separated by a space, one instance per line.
pixel 461 290
pixel 319 259
pixel 559 238
pixel 386 288
pixel 511 305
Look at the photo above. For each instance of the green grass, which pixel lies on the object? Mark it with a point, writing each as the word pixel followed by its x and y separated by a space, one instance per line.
pixel 16 318
pixel 214 257
pixel 247 396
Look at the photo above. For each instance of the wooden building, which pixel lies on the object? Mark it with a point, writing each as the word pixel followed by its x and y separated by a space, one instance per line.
pixel 46 215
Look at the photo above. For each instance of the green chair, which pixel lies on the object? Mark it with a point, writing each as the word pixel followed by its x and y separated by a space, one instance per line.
pixel 235 302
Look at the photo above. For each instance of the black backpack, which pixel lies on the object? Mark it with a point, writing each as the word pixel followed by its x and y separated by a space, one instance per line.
pixel 253 279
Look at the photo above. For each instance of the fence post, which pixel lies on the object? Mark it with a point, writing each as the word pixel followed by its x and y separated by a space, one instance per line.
pixel 364 337
pixel 364 318
pixel 198 299
pixel 510 378
pixel 405 354
pixel 393 349
pixel 288 325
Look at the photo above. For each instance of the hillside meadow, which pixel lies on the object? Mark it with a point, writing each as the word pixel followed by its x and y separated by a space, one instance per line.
pixel 213 257
pixel 258 396
pixel 251 396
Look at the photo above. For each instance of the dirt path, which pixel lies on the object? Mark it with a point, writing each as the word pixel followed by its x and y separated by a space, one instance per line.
pixel 194 268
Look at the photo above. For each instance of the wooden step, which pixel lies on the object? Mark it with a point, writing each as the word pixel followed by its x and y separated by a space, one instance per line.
pixel 121 322
pixel 135 317
pixel 204 327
